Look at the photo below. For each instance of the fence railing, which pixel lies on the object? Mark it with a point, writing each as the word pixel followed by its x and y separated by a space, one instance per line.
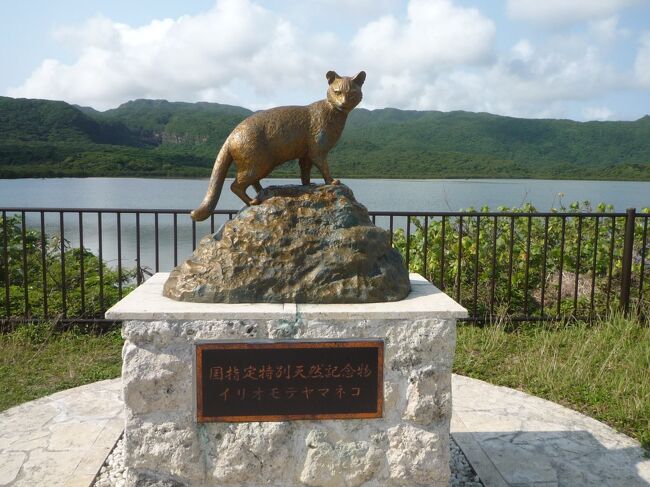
pixel 71 264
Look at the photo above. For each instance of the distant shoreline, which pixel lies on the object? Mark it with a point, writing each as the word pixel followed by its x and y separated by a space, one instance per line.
pixel 159 139
pixel 319 180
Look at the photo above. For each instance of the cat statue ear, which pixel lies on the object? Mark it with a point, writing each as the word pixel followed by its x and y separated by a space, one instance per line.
pixel 331 76
pixel 359 78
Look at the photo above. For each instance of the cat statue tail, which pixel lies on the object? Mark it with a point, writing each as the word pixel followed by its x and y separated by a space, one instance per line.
pixel 219 171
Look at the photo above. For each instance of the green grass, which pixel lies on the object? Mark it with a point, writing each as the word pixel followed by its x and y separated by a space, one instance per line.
pixel 601 370
pixel 36 360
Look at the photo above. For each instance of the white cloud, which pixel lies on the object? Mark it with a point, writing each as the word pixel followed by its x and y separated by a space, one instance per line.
pixel 340 10
pixel 434 34
pixel 404 55
pixel 523 50
pixel 237 46
pixel 597 113
pixel 434 55
pixel 607 30
pixel 565 11
pixel 241 53
pixel 100 32
pixel 642 63
pixel 528 81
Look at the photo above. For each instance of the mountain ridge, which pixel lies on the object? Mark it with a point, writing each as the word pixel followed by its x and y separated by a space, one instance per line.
pixel 159 138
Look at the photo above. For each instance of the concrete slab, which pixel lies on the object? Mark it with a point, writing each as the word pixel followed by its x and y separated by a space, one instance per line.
pixel 424 300
pixel 11 463
pixel 512 438
pixel 62 439
pixel 146 302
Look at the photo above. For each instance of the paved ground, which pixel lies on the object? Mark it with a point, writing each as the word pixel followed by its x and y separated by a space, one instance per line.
pixel 514 439
pixel 511 439
pixel 62 439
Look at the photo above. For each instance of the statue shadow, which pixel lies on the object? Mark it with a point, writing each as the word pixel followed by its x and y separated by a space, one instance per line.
pixel 553 458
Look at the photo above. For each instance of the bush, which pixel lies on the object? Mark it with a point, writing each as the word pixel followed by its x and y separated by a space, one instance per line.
pixel 46 267
pixel 526 265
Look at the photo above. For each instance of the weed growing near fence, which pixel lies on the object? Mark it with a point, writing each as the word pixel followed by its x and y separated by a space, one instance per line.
pixel 37 360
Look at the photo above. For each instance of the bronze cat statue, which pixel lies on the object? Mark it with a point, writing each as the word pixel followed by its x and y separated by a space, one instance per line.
pixel 269 138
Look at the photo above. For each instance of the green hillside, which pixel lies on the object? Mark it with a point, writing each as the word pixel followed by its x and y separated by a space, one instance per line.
pixel 157 138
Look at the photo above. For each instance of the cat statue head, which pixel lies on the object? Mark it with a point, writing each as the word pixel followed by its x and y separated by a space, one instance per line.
pixel 344 92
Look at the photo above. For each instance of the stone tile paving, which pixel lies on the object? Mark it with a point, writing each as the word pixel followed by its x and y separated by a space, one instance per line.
pixel 509 438
pixel 515 439
pixel 62 439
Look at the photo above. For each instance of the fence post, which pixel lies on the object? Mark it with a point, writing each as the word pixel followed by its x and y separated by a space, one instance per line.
pixel 626 270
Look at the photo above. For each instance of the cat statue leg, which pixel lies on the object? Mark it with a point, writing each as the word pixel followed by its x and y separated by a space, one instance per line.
pixel 305 170
pixel 240 185
pixel 258 187
pixel 325 171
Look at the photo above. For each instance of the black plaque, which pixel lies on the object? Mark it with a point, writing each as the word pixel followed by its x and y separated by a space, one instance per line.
pixel 278 381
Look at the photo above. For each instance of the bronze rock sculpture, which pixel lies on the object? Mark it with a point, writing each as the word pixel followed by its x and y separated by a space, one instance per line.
pixel 269 138
pixel 301 244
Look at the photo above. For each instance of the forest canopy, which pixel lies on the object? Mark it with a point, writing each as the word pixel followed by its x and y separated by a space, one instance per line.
pixel 157 138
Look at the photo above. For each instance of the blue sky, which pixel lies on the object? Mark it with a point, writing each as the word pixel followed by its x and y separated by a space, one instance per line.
pixel 578 59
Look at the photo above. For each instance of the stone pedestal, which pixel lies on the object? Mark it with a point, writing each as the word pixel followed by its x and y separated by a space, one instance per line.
pixel 165 446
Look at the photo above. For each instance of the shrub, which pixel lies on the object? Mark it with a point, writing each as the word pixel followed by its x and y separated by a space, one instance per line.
pixel 528 264
pixel 47 269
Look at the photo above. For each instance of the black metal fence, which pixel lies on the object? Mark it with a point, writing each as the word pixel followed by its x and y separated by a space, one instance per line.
pixel 71 264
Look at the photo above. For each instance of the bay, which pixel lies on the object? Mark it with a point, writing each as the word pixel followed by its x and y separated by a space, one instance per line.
pixel 376 194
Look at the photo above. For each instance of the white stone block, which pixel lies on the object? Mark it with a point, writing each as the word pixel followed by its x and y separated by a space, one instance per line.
pixel 164 445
